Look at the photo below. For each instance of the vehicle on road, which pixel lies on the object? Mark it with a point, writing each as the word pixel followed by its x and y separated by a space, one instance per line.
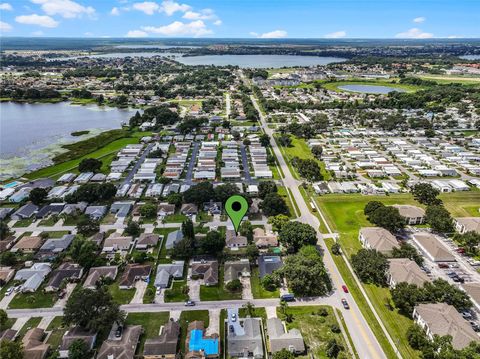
pixel 345 289
pixel 345 303
pixel 287 297
pixel 189 303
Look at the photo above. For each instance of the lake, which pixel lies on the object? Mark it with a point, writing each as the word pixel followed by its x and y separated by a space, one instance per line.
pixel 31 134
pixel 372 89
pixel 470 57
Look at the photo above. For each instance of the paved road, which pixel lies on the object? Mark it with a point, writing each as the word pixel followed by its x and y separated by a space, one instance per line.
pixel 227 105
pixel 246 169
pixel 191 164
pixel 135 168
pixel 363 338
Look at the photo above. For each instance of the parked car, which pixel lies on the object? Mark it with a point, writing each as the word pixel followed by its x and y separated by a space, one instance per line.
pixel 9 291
pixel 345 304
pixel 189 303
pixel 443 265
pixel 119 331
pixel 345 289
pixel 234 317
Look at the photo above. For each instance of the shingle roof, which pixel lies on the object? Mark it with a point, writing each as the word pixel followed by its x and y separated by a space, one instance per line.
pixel 165 343
pixel 280 339
pixel 406 270
pixel 379 239
pixel 123 348
pixel 433 246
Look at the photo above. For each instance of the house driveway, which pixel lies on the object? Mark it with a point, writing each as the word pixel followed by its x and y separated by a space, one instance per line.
pixel 45 322
pixel 19 323
pixel 194 289
pixel 6 300
pixel 62 301
pixel 214 319
pixel 271 312
pixel 246 288
pixel 141 287
pixel 160 297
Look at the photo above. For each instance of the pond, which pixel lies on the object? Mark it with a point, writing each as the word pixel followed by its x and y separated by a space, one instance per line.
pixel 372 89
pixel 31 134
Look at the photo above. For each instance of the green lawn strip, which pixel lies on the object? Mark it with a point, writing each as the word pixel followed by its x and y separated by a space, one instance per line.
pixel 258 291
pixel 282 191
pixel 308 197
pixel 257 313
pixel 175 218
pixel 187 317
pixel 176 292
pixel 223 342
pixel 23 223
pixel 151 323
pixel 49 222
pixel 37 299
pixel 57 331
pixel 277 171
pixel 316 329
pixel 121 296
pixel 218 292
pixel 31 323
pixel 347 332
pixel 55 234
pixel 162 258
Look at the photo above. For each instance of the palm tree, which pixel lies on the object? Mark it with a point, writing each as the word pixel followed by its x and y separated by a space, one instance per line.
pixel 284 307
pixel 249 308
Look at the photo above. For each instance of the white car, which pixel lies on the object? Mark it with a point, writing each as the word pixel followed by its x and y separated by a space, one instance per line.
pixel 9 291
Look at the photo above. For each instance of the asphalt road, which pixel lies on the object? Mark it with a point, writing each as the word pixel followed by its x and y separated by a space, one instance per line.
pixel 135 168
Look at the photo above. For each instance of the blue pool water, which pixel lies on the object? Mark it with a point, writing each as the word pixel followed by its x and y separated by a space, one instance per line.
pixel 10 185
pixel 198 342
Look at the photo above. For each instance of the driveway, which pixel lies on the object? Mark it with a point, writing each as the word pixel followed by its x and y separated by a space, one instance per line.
pixel 194 289
pixel 246 288
pixel 45 322
pixel 140 287
pixel 271 312
pixel 62 301
pixel 6 300
pixel 214 319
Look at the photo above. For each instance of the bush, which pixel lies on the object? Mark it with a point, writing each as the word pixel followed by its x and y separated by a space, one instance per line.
pixel 234 285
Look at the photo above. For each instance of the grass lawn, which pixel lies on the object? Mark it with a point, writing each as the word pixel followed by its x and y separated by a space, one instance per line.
pixel 31 323
pixel 175 294
pixel 38 299
pixel 446 79
pixel 55 234
pixel 50 221
pixel 162 257
pixel 23 223
pixel 282 191
pixel 258 291
pixel 334 86
pixel 151 323
pixel 316 329
pixel 218 292
pixel 257 313
pixel 462 204
pixel 57 329
pixel 121 296
pixel 175 218
pixel 187 317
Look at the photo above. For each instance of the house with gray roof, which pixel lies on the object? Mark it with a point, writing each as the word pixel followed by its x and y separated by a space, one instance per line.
pixel 164 345
pixel 269 264
pixel 378 238
pixel 73 334
pixel 49 209
pixel 174 238
pixel 97 273
pixel 33 276
pixel 431 246
pixel 65 272
pixel 96 212
pixel 5 212
pixel 280 338
pixel 53 246
pixel 245 340
pixel 236 270
pixel 147 240
pixel 123 347
pixel 24 212
pixel 207 270
pixel 121 209
pixel 166 271
pixel 72 208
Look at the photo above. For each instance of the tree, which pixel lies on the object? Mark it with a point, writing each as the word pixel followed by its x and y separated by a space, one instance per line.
pixel 308 169
pixel 158 153
pixel 3 319
pixel 87 226
pixel 225 191
pixel 371 207
pixel 387 217
pixel 246 230
pixel 283 354
pixel 148 210
pixel 90 165
pixel 416 337
pixel 370 266
pixel 336 249
pixel 133 229
pixel 140 257
pixel 264 140
pixel 234 285
pixel 285 140
pixel 213 243
pixel 92 192
pixel 175 198
pixel 278 221
pixel 188 230
pixel 38 195
pixel 469 241
pixel 11 349
pixel 407 251
pixel 270 282
pixel 4 230
pixel 425 193
pixel 92 309
pixel 439 219
pixel 252 252
pixel 273 204
pixel 78 350
pixel 199 194
pixel 249 308
pixel 8 259
pixel 266 187
pixel 333 348
pixel 305 273
pixel 295 235
pixel 405 296
pixel 183 249
pixel 317 151
pixel 84 252
pixel 441 291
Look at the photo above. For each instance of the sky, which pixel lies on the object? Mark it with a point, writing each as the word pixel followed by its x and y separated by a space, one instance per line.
pixel 242 18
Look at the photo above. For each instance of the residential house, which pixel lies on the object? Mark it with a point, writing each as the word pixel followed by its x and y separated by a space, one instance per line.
pixel 33 345
pixel 5 212
pixel 263 239
pixel 95 274
pixel 207 270
pixel 33 276
pixel 123 348
pixel 96 212
pixel 49 209
pixel 134 272
pixel 146 240
pixel 74 208
pixel 174 238
pixel 213 208
pixel 163 346
pixel 236 270
pixel 73 334
pixel 268 264
pixel 443 319
pixel 65 272
pixel 6 273
pixel 24 212
pixel 165 209
pixel 166 271
pixel 412 214
pixel 121 209
pixel 432 247
pixel 378 238
pixel 53 246
pixel 280 338
pixel 245 339
pixel 233 241
pixel 189 209
pixel 198 345
pixel 28 244
pixel 405 270
pixel 467 224
pixel 97 238
pixel 117 244
pixel 473 290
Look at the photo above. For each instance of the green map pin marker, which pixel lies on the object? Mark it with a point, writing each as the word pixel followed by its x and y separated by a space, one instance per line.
pixel 236 207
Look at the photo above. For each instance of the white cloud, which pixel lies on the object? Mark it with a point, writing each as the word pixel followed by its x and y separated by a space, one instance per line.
pixel 115 11
pixel 37 33
pixel 419 20
pixel 276 34
pixel 4 27
pixel 171 7
pixel 178 28
pixel 6 6
pixel 414 33
pixel 148 7
pixel 205 14
pixel 136 33
pixel 336 34
pixel 34 19
pixel 66 8
pixel 217 23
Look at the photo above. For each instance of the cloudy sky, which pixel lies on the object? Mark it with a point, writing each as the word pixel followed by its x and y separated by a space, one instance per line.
pixel 242 18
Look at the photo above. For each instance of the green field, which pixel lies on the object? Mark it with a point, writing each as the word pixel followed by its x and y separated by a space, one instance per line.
pixel 57 331
pixel 38 299
pixel 447 79
pixel 334 86
pixel 121 296
pixel 175 294
pixel 218 292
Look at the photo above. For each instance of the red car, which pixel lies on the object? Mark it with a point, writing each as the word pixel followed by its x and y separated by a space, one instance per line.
pixel 345 289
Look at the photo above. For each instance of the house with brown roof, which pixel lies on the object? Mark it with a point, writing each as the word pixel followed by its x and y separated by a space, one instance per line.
pixel 6 273
pixel 189 209
pixel 263 239
pixel 234 241
pixel 125 347
pixel 6 244
pixel 432 247
pixel 33 345
pixel 165 209
pixel 163 346
pixel 65 272
pixel 412 214
pixel 8 335
pixel 134 272
pixel 28 244
pixel 473 290
pixel 467 224
pixel 97 273
pixel 405 270
pixel 147 240
pixel 207 270
pixel 73 334
pixel 443 319
pixel 378 238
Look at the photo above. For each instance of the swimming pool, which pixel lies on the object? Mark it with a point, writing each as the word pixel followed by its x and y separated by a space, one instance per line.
pixel 198 342
pixel 11 184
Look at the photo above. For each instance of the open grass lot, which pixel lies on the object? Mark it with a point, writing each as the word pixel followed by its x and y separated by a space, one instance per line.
pixel 38 299
pixel 121 296
pixel 187 317
pixel 316 329
pixel 218 292
pixel 258 291
pixel 176 294
pixel 334 86
pixel 58 330
pixel 462 204
pixel 282 191
pixel 445 79
pixel 31 323
pixel 151 323
pixel 175 218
